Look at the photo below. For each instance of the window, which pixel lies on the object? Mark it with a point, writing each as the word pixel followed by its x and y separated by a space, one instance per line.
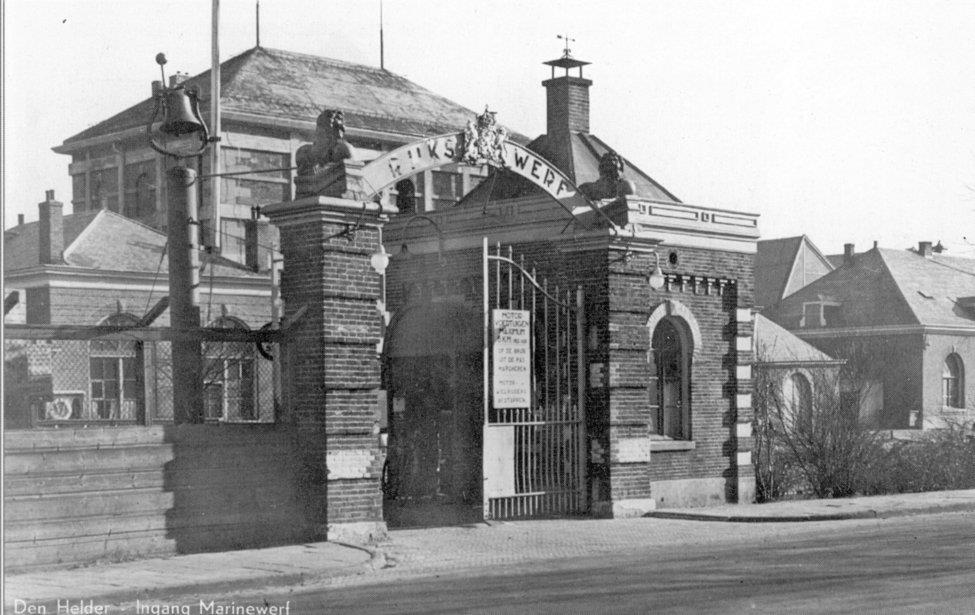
pixel 233 240
pixel 104 189
pixel 115 376
pixel 798 398
pixel 447 189
pixel 229 378
pixel 670 366
pixel 260 188
pixel 952 378
pixel 140 189
pixel 79 185
pixel 823 313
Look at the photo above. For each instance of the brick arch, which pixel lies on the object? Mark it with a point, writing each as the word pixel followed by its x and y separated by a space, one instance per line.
pixel 678 310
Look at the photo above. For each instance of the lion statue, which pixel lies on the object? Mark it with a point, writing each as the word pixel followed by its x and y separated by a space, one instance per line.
pixel 611 183
pixel 329 144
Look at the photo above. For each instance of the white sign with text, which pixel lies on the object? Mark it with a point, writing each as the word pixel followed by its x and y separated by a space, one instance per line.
pixel 511 373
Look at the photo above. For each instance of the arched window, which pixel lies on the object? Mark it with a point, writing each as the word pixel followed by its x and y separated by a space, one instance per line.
pixel 953 382
pixel 115 375
pixel 798 398
pixel 670 368
pixel 229 377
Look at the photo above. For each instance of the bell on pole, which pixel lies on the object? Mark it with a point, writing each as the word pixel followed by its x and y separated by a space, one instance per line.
pixel 180 113
pixel 180 131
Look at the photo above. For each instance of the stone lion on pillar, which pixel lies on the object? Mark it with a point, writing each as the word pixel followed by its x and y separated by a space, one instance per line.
pixel 329 145
pixel 611 183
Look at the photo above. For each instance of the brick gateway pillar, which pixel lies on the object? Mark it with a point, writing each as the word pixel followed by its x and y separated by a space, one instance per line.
pixel 332 369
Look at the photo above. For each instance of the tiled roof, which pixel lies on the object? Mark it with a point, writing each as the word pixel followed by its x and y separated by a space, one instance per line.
pixel 581 165
pixel 891 287
pixel 106 241
pixel 283 84
pixel 932 285
pixel 773 344
pixel 773 264
pixel 20 244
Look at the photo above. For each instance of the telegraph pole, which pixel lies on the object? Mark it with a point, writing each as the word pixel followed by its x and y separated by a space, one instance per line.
pixel 184 295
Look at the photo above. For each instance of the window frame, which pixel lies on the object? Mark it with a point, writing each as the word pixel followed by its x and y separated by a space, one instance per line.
pixel 656 387
pixel 127 358
pixel 228 356
pixel 953 382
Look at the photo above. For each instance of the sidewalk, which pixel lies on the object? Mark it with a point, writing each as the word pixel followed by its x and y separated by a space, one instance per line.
pixel 880 506
pixel 416 551
pixel 187 575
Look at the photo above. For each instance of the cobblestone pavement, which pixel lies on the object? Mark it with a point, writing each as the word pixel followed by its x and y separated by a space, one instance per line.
pixel 500 544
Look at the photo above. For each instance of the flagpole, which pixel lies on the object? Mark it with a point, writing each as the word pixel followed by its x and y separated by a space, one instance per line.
pixel 215 125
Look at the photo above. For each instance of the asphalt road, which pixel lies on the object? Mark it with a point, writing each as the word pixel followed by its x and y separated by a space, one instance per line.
pixel 921 564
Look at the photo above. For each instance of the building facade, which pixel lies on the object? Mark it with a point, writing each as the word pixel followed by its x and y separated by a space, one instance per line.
pixel 270 100
pixel 903 320
pixel 665 369
pixel 101 268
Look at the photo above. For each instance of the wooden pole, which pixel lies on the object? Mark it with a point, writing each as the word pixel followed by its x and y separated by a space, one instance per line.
pixel 184 294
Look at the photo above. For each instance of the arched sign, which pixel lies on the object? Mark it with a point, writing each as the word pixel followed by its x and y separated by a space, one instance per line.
pixel 470 148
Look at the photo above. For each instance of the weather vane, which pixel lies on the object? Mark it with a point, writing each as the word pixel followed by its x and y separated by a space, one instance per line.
pixel 566 52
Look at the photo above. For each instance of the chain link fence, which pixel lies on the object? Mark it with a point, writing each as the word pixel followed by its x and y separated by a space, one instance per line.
pixel 128 379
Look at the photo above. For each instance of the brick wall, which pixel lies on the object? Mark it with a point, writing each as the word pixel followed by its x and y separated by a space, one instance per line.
pixel 89 306
pixel 712 285
pixel 618 303
pixel 894 360
pixel 333 368
pixel 937 350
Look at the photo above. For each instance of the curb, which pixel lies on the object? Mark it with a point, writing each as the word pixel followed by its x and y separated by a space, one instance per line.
pixel 841 516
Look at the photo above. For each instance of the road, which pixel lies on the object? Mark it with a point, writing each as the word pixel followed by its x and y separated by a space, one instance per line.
pixel 921 564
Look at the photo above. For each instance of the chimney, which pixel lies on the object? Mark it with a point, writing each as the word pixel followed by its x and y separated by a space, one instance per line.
pixel 177 78
pixel 156 88
pixel 567 108
pixel 848 253
pixel 20 219
pixel 252 250
pixel 50 229
pixel 924 249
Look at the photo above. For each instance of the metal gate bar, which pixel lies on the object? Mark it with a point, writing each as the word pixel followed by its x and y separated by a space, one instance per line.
pixel 546 447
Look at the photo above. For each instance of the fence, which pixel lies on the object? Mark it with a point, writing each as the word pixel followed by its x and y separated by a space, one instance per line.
pixel 59 376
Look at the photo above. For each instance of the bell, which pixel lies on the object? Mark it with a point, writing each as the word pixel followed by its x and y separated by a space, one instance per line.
pixel 180 113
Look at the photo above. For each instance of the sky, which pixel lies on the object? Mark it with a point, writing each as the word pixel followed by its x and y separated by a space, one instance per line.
pixel 850 122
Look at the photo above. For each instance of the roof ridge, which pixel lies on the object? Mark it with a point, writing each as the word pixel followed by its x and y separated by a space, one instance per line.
pixel 135 222
pixel 70 248
pixel 322 59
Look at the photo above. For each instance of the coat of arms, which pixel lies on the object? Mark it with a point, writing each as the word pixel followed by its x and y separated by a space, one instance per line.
pixel 484 140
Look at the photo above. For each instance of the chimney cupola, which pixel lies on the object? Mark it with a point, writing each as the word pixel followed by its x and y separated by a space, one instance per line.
pixel 567 96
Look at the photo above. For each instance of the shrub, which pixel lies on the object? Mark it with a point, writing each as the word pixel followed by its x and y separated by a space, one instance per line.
pixel 938 460
pixel 820 446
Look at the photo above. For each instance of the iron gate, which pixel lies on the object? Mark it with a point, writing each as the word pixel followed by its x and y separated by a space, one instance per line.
pixel 534 377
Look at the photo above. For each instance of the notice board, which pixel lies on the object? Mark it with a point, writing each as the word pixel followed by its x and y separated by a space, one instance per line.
pixel 511 352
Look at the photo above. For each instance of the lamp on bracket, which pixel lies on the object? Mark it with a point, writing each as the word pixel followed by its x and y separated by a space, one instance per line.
pixel 379 260
pixel 656 277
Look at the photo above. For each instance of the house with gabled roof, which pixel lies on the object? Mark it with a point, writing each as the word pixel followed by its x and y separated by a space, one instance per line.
pixel 102 268
pixel 905 320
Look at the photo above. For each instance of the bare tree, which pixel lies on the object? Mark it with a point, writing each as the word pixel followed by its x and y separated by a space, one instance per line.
pixel 809 437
